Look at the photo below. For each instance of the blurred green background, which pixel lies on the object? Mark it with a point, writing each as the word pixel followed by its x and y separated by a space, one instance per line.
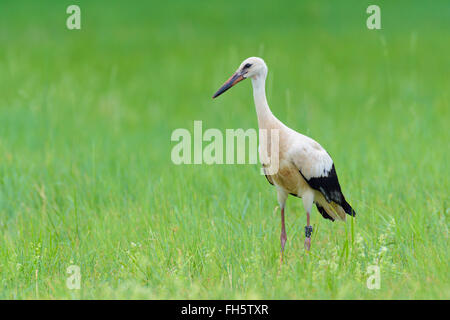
pixel 86 177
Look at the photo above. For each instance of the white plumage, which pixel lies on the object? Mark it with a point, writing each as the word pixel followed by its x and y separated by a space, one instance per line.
pixel 306 170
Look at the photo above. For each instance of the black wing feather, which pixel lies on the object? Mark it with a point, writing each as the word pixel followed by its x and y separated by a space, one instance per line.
pixel 329 186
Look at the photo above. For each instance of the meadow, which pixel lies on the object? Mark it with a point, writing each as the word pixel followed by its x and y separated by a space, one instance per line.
pixel 86 177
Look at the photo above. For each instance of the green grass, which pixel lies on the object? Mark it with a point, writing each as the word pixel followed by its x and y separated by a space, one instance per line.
pixel 85 170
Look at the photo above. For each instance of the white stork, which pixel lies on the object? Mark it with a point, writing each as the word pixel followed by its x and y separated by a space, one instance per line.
pixel 306 170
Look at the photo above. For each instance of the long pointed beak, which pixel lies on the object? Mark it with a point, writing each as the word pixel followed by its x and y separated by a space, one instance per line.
pixel 235 78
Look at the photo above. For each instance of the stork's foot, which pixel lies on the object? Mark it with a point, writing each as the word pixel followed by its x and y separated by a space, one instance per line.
pixel 307 244
pixel 308 232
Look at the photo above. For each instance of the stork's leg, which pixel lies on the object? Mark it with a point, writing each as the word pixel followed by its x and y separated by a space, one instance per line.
pixel 308 199
pixel 282 195
pixel 308 232
pixel 283 236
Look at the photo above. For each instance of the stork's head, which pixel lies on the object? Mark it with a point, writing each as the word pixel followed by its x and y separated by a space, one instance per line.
pixel 252 67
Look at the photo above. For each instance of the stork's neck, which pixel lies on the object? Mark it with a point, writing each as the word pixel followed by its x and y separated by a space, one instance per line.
pixel 265 116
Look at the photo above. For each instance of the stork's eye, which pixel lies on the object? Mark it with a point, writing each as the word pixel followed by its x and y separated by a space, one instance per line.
pixel 248 65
